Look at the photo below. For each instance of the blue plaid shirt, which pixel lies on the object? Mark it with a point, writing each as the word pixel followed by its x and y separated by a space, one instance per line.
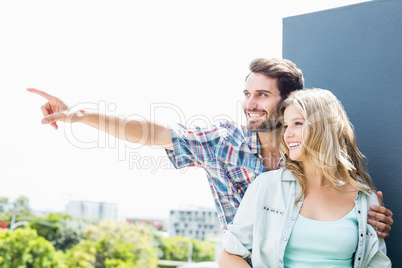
pixel 230 156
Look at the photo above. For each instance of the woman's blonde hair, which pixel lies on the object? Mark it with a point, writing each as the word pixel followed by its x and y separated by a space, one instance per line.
pixel 329 142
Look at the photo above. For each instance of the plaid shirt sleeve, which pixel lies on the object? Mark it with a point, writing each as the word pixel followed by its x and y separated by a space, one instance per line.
pixel 193 147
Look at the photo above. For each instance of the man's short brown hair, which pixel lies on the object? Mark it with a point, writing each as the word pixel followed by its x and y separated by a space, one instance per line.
pixel 290 78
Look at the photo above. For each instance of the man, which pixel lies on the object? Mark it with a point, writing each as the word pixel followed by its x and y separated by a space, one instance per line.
pixel 231 155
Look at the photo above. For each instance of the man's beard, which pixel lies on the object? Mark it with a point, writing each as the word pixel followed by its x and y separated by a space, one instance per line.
pixel 268 125
pixel 265 126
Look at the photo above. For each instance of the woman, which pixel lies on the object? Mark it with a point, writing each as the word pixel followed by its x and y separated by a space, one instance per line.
pixel 313 211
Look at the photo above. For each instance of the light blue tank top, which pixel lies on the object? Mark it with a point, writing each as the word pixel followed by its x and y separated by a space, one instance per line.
pixel 321 243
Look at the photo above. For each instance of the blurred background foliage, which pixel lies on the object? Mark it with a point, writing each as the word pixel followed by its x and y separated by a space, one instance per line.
pixel 60 240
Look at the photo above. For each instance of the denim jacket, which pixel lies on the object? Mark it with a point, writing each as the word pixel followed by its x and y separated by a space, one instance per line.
pixel 267 214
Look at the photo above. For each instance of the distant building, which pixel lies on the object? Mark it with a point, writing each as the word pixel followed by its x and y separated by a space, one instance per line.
pixel 194 222
pixel 99 210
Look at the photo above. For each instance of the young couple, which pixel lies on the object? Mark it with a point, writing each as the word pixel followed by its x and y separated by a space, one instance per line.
pixel 233 156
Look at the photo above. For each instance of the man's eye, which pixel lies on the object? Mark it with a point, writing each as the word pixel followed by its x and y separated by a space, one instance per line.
pixel 246 94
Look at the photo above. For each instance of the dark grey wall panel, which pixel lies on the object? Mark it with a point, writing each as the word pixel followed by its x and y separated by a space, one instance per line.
pixel 356 52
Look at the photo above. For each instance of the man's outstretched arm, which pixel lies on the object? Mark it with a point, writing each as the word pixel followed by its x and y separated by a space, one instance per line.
pixel 384 216
pixel 141 132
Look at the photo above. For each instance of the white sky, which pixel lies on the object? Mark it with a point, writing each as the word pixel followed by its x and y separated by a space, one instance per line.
pixel 175 61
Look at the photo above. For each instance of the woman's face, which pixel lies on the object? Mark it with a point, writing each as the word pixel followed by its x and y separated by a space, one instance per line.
pixel 294 124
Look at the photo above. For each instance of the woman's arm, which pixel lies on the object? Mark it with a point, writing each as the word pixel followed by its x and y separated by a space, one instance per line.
pixel 238 236
pixel 227 260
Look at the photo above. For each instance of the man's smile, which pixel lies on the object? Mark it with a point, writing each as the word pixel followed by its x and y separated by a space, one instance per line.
pixel 255 114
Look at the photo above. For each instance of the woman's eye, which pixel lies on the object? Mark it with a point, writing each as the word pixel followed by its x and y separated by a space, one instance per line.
pixel 298 123
pixel 285 126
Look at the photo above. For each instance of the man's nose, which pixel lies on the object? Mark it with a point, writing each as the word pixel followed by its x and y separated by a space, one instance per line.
pixel 251 103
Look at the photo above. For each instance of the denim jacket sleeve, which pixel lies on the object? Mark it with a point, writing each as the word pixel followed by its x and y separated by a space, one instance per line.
pixel 238 237
pixel 378 256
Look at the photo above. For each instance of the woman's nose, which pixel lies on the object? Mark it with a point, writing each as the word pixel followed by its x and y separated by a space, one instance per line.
pixel 288 132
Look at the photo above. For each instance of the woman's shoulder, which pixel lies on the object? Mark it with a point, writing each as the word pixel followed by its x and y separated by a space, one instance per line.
pixel 273 179
pixel 281 174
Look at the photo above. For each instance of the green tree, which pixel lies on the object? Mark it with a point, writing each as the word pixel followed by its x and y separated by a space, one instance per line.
pixel 82 255
pixel 177 249
pixel 115 244
pixel 203 251
pixel 70 233
pixel 5 216
pixel 24 248
pixel 19 208
pixel 115 263
pixel 6 208
pixel 21 205
pixel 4 205
pixel 61 230
pixel 49 226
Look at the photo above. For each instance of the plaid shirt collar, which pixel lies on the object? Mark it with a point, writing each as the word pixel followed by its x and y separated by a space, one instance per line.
pixel 253 142
pixel 255 146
